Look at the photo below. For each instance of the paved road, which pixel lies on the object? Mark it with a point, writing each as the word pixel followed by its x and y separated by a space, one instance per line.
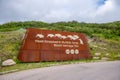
pixel 84 71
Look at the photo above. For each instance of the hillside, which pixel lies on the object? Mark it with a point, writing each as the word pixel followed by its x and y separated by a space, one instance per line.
pixel 102 38
pixel 106 30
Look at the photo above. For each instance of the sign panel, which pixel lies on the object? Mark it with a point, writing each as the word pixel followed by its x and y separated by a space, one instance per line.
pixel 48 45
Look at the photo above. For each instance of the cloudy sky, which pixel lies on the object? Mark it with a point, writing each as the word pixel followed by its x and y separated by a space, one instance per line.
pixel 91 11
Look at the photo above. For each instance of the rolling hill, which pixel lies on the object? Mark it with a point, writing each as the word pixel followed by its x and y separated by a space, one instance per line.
pixel 103 38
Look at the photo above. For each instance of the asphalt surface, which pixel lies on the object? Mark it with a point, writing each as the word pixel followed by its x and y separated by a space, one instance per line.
pixel 85 71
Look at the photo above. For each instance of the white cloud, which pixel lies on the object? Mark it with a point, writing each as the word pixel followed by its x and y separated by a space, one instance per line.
pixel 108 12
pixel 59 10
pixel 107 7
pixel 57 15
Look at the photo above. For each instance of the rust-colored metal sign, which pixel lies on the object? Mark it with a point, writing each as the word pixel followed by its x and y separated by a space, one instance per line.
pixel 48 45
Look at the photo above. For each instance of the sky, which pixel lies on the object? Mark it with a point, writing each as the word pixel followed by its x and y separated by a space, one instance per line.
pixel 89 11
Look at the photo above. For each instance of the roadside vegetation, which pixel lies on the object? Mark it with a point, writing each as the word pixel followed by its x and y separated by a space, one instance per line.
pixel 102 38
pixel 24 66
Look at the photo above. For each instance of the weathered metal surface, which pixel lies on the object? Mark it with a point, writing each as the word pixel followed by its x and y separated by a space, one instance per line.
pixel 48 45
